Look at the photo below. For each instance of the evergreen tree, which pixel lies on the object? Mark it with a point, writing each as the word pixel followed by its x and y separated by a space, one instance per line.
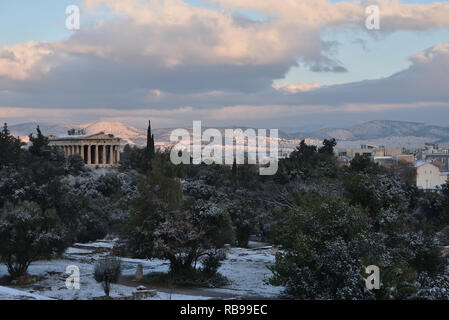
pixel 234 170
pixel 40 143
pixel 27 234
pixel 328 146
pixel 10 147
pixel 150 142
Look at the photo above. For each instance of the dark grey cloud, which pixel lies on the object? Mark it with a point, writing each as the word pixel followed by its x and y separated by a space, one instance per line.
pixel 95 83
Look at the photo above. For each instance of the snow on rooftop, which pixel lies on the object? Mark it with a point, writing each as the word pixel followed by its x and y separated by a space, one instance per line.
pixel 421 163
pixel 80 136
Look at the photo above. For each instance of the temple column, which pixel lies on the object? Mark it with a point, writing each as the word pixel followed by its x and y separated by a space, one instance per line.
pixel 89 155
pixel 118 154
pixel 103 160
pixel 112 155
pixel 82 152
pixel 108 155
pixel 96 154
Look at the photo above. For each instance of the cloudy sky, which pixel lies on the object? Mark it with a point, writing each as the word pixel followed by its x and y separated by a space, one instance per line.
pixel 299 64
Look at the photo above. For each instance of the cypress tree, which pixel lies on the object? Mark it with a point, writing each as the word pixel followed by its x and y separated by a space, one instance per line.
pixel 235 171
pixel 150 141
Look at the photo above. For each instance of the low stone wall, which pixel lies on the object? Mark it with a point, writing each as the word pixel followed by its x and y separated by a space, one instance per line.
pixel 139 294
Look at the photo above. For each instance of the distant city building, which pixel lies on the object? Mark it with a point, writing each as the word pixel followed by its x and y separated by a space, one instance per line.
pixel 386 161
pixel 374 152
pixel 433 153
pixel 98 149
pixel 429 176
pixel 405 159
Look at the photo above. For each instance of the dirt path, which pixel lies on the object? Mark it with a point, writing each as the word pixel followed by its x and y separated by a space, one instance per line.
pixel 199 292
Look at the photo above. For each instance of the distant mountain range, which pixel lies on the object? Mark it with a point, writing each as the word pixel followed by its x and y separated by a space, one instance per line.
pixel 381 132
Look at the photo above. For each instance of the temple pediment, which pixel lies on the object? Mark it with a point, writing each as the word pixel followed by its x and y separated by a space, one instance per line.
pixel 101 136
pixel 95 136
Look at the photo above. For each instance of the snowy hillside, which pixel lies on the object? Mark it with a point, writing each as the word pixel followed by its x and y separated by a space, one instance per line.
pixel 388 133
pixel 382 132
pixel 13 294
pixel 129 135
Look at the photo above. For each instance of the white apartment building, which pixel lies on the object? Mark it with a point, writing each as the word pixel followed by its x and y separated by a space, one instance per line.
pixel 429 176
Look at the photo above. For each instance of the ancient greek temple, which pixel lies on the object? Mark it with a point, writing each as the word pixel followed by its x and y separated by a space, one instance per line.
pixel 98 149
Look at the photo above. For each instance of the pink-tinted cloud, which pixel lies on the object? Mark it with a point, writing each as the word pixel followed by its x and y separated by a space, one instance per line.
pixel 296 87
pixel 173 61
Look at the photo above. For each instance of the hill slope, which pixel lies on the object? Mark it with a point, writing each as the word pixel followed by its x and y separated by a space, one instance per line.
pixel 383 132
pixel 388 133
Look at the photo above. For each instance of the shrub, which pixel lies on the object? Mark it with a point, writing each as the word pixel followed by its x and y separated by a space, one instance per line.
pixel 106 272
pixel 323 241
pixel 27 234
pixel 211 264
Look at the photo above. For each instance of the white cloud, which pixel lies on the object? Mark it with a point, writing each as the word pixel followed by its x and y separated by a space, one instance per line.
pixel 23 60
pixel 159 55
pixel 174 34
pixel 296 87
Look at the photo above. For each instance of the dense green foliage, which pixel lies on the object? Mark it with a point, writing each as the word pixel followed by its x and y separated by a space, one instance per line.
pixel 329 220
pixel 27 234
pixel 164 225
pixel 40 183
pixel 329 236
pixel 10 148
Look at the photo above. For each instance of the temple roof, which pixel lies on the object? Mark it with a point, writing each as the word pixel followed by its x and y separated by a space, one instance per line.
pixel 99 135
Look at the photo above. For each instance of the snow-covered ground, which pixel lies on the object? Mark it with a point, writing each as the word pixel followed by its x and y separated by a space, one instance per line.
pixel 245 268
pixel 248 273
pixel 13 294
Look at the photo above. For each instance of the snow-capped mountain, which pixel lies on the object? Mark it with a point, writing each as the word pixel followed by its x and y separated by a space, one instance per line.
pixel 388 133
pixel 383 132
pixel 129 135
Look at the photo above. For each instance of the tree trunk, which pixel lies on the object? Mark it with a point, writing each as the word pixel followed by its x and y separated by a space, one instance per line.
pixel 107 288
